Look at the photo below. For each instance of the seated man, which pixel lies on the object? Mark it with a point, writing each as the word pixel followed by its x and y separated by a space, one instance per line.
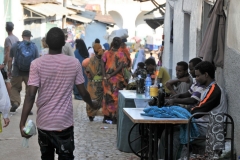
pixel 140 70
pixel 212 99
pixel 162 75
pixel 192 63
pixel 193 95
pixel 182 83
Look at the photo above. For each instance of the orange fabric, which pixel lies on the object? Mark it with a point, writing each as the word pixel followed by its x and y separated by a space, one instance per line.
pixel 114 84
pixel 207 96
pixel 153 76
pixel 127 54
pixel 94 88
pixel 85 62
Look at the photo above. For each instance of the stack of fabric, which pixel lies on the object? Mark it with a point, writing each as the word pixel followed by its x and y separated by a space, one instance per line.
pixel 174 112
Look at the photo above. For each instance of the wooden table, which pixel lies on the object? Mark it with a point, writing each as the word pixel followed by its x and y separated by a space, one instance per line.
pixel 135 115
pixel 126 100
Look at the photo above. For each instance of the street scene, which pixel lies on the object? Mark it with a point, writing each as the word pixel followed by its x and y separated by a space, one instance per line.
pixel 119 80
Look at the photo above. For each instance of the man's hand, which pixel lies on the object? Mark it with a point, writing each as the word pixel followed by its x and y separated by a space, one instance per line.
pixel 9 75
pixel 6 122
pixel 184 79
pixel 23 133
pixel 95 104
pixel 175 96
pixel 170 102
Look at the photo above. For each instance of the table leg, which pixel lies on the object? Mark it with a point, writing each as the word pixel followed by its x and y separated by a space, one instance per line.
pixel 171 141
pixel 150 135
pixel 166 142
pixel 155 147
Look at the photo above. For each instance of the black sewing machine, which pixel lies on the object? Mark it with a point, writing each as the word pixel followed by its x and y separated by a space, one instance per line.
pixel 159 100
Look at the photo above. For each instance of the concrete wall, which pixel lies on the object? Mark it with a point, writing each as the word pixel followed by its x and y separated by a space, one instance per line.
pixel 232 67
pixel 2 31
pixel 16 15
pixel 186 16
pixel 92 33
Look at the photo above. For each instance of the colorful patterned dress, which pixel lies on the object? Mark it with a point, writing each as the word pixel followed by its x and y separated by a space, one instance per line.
pixel 94 86
pixel 115 83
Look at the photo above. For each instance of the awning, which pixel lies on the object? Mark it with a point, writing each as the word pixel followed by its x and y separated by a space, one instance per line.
pixel 155 22
pixel 37 1
pixel 93 7
pixel 76 8
pixel 141 0
pixel 104 19
pixel 79 18
pixel 49 9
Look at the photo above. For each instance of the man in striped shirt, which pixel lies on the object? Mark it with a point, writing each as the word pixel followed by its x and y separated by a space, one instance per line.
pixel 53 76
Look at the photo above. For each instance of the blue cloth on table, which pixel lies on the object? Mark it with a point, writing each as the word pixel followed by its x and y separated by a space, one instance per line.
pixel 174 112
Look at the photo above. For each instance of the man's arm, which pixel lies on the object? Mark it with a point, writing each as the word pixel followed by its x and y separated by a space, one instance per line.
pixel 7 48
pixel 182 95
pixel 169 85
pixel 85 95
pixel 182 101
pixel 9 66
pixel 6 54
pixel 10 58
pixel 116 71
pixel 27 107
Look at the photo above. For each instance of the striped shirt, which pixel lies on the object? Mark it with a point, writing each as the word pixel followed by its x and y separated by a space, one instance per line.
pixel 55 75
pixel 196 91
pixel 213 99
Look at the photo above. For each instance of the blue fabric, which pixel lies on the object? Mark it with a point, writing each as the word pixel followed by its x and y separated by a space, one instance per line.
pixel 80 58
pixel 174 112
pixel 106 46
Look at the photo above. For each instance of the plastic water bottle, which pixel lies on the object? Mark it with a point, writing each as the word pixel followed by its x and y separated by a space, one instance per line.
pixel 148 83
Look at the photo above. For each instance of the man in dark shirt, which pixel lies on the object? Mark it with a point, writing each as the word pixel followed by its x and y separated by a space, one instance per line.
pixel 19 76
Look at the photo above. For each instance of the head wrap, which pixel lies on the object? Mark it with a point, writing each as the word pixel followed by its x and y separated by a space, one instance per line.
pixel 98 48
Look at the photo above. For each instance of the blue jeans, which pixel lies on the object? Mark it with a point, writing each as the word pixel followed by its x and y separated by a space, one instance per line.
pixel 61 141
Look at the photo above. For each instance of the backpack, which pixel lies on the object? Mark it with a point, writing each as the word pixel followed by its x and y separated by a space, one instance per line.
pixel 25 55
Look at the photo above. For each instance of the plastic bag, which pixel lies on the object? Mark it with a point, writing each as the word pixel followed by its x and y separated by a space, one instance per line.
pixel 4 99
pixel 29 129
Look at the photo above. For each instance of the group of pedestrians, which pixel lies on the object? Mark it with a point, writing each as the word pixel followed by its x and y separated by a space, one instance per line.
pixel 51 79
pixel 105 75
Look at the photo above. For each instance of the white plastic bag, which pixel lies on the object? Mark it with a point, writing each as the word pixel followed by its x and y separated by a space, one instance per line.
pixel 29 129
pixel 4 98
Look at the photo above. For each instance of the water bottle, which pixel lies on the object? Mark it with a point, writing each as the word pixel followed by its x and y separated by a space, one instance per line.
pixel 148 83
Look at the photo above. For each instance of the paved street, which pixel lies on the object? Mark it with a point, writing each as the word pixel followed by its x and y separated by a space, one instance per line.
pixel 91 142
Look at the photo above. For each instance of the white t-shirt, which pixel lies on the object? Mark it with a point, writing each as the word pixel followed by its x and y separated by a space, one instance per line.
pixel 91 52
